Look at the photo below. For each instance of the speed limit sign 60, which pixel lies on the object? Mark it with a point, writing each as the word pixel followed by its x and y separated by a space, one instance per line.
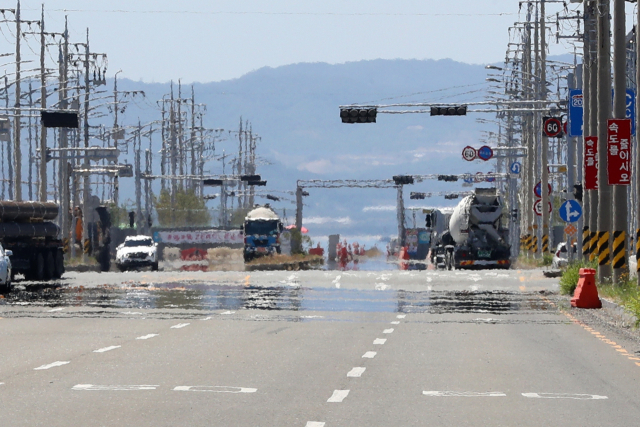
pixel 552 126
pixel 469 153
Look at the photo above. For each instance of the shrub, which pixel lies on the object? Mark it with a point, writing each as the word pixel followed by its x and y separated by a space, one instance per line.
pixel 569 279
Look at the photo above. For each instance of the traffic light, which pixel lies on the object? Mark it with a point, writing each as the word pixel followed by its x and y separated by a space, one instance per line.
pixel 274 198
pixel 358 114
pixel 417 196
pixel 305 193
pixel 57 119
pixel 428 221
pixel 577 192
pixel 132 217
pixel 257 183
pixel 452 110
pixel 212 182
pixel 451 196
pixel 249 178
pixel 448 178
pixel 403 179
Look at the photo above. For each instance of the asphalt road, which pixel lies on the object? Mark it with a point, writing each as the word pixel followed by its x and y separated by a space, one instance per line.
pixel 317 348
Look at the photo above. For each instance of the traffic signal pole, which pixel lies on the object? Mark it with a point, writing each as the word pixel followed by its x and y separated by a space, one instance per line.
pixel 594 198
pixel 604 113
pixel 620 208
pixel 637 118
pixel 587 94
pixel 544 148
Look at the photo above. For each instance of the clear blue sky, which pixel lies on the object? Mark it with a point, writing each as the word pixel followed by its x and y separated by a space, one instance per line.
pixel 203 40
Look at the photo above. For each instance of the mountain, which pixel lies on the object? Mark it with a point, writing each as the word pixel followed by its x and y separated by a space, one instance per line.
pixel 294 109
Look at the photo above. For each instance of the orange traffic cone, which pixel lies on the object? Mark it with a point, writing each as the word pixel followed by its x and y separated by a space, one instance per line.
pixel 586 293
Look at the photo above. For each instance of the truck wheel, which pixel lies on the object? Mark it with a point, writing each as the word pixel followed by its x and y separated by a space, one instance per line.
pixel 38 268
pixel 49 266
pixel 59 264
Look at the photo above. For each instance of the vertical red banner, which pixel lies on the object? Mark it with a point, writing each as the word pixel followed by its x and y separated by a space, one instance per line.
pixel 619 151
pixel 591 163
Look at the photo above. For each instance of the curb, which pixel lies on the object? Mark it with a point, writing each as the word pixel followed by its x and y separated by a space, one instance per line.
pixel 620 316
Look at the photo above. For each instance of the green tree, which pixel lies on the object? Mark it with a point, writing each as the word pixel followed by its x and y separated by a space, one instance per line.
pixel 189 210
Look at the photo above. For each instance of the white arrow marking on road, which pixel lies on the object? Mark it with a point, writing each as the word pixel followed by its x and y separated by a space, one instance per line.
pixel 105 349
pixel 356 372
pixel 463 394
pixel 215 389
pixel 91 387
pixel 146 337
pixel 314 424
pixel 338 396
pixel 564 396
pixel 369 355
pixel 388 331
pixel 181 325
pixel 379 341
pixel 50 365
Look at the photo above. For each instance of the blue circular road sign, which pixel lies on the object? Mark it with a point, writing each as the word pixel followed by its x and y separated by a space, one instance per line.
pixel 570 211
pixel 516 167
pixel 485 153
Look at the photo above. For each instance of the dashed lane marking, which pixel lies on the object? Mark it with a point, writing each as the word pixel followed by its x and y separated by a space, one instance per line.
pixel 372 354
pixel 56 309
pixel 388 331
pixel 356 372
pixel 338 396
pixel 207 318
pixel 401 316
pixel 463 394
pixel 91 387
pixel 564 396
pixel 228 312
pixel 146 337
pixel 379 341
pixel 395 322
pixel 50 365
pixel 180 325
pixel 105 349
pixel 215 389
pixel 314 424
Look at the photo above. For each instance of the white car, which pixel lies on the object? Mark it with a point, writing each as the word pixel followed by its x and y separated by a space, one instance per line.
pixel 560 258
pixel 137 251
pixel 5 268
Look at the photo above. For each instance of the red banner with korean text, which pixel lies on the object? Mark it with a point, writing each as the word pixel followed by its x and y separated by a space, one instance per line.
pixel 619 151
pixel 591 163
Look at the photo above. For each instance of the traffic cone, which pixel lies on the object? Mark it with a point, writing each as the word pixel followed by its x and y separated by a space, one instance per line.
pixel 586 293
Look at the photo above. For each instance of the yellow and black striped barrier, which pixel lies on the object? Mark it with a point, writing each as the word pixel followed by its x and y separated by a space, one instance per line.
pixel 86 246
pixel 545 243
pixel 603 248
pixel 527 242
pixel 619 251
pixel 534 244
pixel 65 246
pixel 586 241
pixel 593 250
pixel 638 248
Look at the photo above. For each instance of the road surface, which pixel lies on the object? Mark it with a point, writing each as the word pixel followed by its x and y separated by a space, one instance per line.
pixel 316 348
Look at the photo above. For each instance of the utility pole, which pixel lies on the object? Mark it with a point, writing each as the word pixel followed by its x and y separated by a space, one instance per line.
pixel 587 94
pixel 528 133
pixel 43 105
pixel 545 139
pixel 594 198
pixel 17 152
pixel 136 153
pixel 63 170
pixel 172 131
pixel 604 113
pixel 400 212
pixel 86 177
pixel 637 118
pixel 620 208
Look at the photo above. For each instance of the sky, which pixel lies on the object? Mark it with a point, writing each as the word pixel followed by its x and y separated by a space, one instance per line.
pixel 204 41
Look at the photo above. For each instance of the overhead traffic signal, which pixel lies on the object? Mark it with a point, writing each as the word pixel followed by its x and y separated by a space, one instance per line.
pixel 417 196
pixel 358 114
pixel 451 110
pixel 257 183
pixel 274 198
pixel 448 178
pixel 403 179
pixel 250 178
pixel 451 196
pixel 212 182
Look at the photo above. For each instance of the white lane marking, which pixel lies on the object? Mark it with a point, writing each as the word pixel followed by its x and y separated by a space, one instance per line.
pixel 180 325
pixel 312 317
pixel 1 383
pixel 381 287
pixel 429 279
pixel 369 355
pixel 388 331
pixel 207 318
pixel 463 394
pixel 379 341
pixel 105 349
pixel 146 337
pixel 401 316
pixel 131 312
pixel 338 396
pixel 50 365
pixel 91 387
pixel 228 312
pixel 314 424
pixel 564 396
pixel 215 389
pixel 395 322
pixel 356 372
pixel 56 309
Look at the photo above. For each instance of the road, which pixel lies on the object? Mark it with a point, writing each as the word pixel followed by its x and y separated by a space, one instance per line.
pixel 316 348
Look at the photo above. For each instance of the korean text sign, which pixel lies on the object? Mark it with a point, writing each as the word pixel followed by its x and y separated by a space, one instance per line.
pixel 591 163
pixel 619 151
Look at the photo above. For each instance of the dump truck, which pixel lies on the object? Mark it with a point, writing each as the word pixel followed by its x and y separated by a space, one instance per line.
pixel 476 237
pixel 27 230
pixel 262 228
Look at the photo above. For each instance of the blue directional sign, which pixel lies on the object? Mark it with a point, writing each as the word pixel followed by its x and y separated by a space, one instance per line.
pixel 570 211
pixel 575 112
pixel 516 167
pixel 485 153
pixel 631 109
pixel 468 178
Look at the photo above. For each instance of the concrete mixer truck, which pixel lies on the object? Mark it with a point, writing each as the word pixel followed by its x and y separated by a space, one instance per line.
pixel 476 237
pixel 27 230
